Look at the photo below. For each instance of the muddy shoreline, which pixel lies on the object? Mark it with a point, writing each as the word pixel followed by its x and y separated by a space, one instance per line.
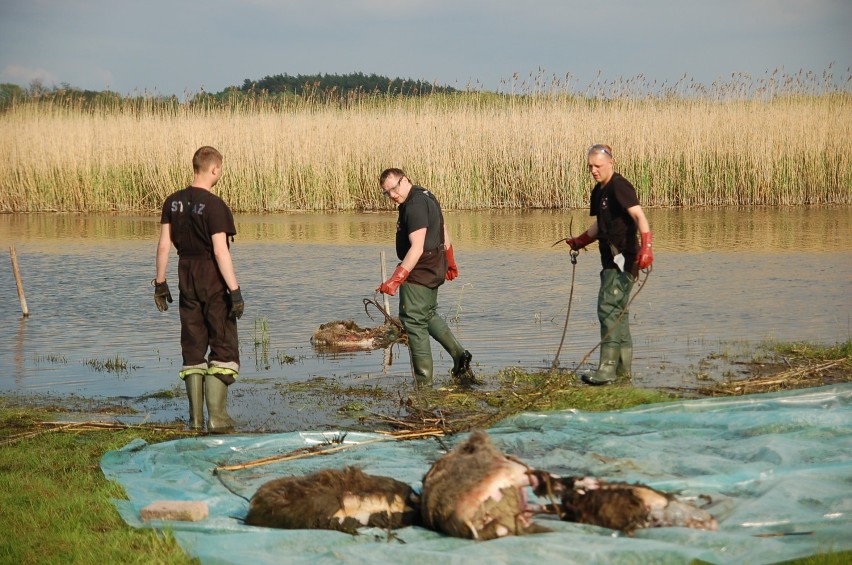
pixel 391 403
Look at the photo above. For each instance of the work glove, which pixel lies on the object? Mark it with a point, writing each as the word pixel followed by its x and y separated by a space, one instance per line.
pixel 579 242
pixel 397 278
pixel 162 295
pixel 646 256
pixel 237 304
pixel 452 268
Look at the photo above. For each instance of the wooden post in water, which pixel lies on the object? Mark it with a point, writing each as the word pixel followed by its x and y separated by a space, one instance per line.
pixel 17 273
pixel 384 278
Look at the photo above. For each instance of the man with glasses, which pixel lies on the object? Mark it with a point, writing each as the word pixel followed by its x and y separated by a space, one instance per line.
pixel 619 216
pixel 426 253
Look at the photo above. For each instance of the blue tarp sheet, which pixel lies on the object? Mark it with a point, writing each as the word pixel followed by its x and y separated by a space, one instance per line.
pixel 778 468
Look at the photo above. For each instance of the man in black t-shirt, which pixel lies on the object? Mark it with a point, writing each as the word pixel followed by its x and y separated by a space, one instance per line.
pixel 619 216
pixel 426 253
pixel 199 224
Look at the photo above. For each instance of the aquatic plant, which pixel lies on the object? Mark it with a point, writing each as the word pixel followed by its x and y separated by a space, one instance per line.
pixel 117 365
pixel 261 343
pixel 283 358
pixel 54 358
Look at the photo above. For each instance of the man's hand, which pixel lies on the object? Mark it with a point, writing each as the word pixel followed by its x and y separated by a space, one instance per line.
pixel 237 304
pixel 646 256
pixel 579 242
pixel 397 278
pixel 162 295
pixel 452 269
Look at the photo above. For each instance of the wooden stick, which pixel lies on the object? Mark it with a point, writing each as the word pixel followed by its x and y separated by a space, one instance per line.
pixel 18 282
pixel 384 278
pixel 301 453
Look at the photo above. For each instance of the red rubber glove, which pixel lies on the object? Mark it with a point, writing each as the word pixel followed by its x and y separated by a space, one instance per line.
pixel 646 256
pixel 579 242
pixel 397 278
pixel 452 268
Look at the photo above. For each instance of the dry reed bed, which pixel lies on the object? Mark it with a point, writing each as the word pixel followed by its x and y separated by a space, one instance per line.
pixel 476 152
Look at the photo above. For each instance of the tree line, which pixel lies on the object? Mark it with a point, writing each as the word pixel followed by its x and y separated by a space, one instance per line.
pixel 344 84
pixel 320 86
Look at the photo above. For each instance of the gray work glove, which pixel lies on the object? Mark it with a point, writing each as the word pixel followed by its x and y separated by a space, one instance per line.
pixel 237 304
pixel 162 295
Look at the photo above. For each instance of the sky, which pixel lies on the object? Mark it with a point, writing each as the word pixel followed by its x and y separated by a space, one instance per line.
pixel 181 47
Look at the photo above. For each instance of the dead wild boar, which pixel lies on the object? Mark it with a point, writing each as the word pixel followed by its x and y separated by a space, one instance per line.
pixel 477 492
pixel 333 499
pixel 618 505
pixel 346 335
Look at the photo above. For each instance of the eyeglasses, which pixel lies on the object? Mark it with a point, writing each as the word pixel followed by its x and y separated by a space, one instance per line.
pixel 600 148
pixel 394 188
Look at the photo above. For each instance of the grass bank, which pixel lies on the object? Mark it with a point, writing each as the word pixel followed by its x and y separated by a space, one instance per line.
pixel 475 150
pixel 55 504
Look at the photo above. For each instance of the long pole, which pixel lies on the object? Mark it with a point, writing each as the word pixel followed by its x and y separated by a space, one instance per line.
pixel 20 285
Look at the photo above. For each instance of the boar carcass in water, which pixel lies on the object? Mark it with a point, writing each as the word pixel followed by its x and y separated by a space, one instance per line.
pixel 618 505
pixel 348 336
pixel 477 492
pixel 333 499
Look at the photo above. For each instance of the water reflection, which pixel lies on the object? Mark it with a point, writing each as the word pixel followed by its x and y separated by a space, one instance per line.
pixel 760 229
pixel 722 279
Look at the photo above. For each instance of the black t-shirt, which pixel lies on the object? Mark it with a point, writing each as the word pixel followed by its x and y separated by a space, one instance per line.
pixel 420 210
pixel 195 215
pixel 616 228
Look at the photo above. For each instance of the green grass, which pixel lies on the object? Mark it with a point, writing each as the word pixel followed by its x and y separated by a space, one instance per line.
pixel 841 558
pixel 811 352
pixel 56 506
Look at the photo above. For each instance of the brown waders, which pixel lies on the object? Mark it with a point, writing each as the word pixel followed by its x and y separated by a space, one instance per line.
pixel 418 313
pixel 616 342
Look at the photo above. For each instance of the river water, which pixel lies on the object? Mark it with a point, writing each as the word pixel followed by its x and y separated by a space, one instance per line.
pixel 723 281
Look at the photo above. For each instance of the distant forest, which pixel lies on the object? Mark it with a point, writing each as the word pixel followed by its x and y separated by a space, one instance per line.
pixel 328 87
pixel 344 84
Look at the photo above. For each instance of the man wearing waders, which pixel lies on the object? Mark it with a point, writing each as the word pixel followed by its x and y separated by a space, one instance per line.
pixel 199 223
pixel 619 216
pixel 426 253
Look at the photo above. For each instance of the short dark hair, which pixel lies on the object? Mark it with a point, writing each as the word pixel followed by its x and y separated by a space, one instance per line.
pixel 205 157
pixel 393 171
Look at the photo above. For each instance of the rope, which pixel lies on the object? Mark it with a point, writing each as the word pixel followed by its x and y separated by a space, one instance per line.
pixel 555 363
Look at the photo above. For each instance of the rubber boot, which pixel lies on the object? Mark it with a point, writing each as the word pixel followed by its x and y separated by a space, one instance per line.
pixel 216 394
pixel 423 369
pixel 442 333
pixel 606 370
pixel 195 391
pixel 624 368
pixel 461 367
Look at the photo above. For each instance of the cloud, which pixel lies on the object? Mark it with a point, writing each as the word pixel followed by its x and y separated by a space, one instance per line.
pixel 23 75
